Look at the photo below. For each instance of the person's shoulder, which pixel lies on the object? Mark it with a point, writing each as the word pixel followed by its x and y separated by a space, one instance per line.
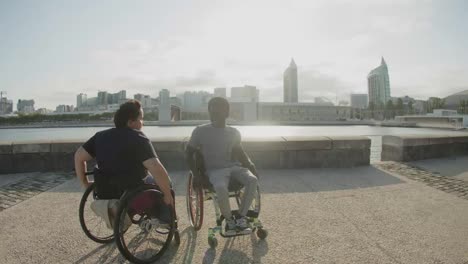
pixel 203 127
pixel 140 134
pixel 106 132
pixel 233 129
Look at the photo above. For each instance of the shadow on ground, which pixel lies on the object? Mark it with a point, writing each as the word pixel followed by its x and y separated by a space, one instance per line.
pixel 294 180
pixel 234 249
pixel 451 166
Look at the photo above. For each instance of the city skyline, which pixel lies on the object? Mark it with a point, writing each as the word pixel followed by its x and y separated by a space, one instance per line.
pixel 53 51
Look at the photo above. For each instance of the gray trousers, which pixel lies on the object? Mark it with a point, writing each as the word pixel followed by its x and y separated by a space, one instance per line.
pixel 219 178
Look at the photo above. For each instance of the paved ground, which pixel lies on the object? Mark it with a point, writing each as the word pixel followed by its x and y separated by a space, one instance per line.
pixel 456 167
pixel 359 215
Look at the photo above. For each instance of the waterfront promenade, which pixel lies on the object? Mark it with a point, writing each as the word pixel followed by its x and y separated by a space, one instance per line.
pixel 384 213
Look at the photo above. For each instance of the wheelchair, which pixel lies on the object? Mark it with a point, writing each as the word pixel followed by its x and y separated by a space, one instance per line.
pixel 139 235
pixel 201 190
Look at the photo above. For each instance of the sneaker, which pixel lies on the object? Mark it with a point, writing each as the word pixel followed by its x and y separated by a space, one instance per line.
pixel 160 225
pixel 243 226
pixel 230 227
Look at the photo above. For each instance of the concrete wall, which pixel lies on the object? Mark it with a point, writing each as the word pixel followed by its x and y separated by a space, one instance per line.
pixel 412 147
pixel 266 153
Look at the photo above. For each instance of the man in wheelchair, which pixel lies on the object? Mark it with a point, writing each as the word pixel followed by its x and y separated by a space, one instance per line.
pixel 223 159
pixel 123 155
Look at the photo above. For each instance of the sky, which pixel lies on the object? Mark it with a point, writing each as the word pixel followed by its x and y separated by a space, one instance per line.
pixel 50 51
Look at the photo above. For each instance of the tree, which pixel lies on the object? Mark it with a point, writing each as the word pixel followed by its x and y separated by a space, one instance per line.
pixel 371 108
pixel 410 107
pixel 399 106
pixel 462 107
pixel 389 110
pixel 435 103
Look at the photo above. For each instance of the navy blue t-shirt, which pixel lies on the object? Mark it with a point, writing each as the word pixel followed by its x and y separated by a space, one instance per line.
pixel 119 153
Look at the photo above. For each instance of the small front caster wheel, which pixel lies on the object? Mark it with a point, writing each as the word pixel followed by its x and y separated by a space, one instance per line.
pixel 262 233
pixel 213 242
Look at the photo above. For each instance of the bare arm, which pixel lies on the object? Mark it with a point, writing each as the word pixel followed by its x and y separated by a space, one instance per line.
pixel 81 157
pixel 189 158
pixel 161 177
pixel 244 159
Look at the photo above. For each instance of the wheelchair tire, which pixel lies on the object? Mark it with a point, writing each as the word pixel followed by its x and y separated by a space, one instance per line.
pixel 195 200
pixel 144 229
pixel 262 233
pixel 90 222
pixel 254 209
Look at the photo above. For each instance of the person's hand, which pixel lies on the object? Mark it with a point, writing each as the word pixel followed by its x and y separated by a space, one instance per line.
pixel 86 184
pixel 168 199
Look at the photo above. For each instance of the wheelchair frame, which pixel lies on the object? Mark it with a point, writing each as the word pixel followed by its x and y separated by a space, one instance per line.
pixel 197 195
pixel 120 221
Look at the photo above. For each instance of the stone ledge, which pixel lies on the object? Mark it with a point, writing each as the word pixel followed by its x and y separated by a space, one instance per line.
pixel 63 146
pixel 264 144
pixel 6 147
pixel 267 152
pixel 31 147
pixel 307 143
pixel 412 147
pixel 168 143
pixel 405 140
pixel 354 142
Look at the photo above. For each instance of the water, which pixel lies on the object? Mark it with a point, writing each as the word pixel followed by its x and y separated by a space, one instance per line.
pixel 82 133
pixel 375 133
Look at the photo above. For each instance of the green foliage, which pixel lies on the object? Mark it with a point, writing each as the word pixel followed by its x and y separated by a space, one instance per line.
pixel 389 112
pixel 463 107
pixel 23 119
pixel 435 103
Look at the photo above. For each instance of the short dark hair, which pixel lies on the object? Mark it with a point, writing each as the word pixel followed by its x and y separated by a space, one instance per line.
pixel 218 101
pixel 129 110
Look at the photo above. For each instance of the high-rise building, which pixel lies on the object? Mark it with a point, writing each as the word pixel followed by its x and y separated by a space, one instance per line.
pixel 220 92
pixel 145 100
pixel 64 108
pixel 247 93
pixel 6 106
pixel 81 100
pixel 378 83
pixel 196 101
pixel 117 98
pixel 139 97
pixel 290 85
pixel 164 105
pixel 25 106
pixel 103 98
pixel 359 101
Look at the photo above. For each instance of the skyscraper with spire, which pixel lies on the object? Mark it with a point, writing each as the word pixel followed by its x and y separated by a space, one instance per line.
pixel 378 84
pixel 290 83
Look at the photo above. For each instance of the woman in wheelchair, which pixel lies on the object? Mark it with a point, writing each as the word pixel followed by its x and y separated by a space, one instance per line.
pixel 223 160
pixel 123 155
pixel 145 220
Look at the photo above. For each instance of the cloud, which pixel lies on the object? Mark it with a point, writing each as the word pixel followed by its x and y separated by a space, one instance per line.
pixel 202 79
pixel 313 83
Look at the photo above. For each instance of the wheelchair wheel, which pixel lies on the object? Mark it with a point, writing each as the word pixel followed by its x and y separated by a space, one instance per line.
pixel 140 235
pixel 254 209
pixel 93 226
pixel 194 200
